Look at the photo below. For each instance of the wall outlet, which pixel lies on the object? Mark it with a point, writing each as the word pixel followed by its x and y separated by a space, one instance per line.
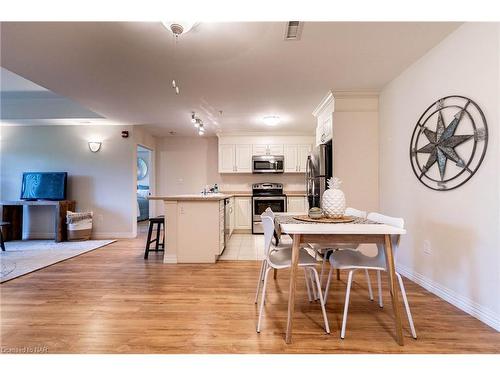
pixel 427 247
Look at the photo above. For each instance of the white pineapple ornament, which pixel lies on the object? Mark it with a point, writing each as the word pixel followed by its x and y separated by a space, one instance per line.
pixel 333 201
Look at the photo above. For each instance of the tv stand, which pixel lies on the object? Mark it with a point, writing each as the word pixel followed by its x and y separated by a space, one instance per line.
pixel 12 212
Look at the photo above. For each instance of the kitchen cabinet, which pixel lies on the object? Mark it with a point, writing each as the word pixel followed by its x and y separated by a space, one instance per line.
pixel 290 158
pixel 235 158
pixel 243 158
pixel 267 150
pixel 297 204
pixel 226 158
pixel 296 158
pixel 236 151
pixel 324 116
pixel 242 213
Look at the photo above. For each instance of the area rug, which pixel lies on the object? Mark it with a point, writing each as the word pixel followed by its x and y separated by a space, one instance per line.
pixel 22 257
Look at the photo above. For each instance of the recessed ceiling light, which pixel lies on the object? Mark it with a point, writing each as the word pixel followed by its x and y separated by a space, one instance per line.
pixel 271 120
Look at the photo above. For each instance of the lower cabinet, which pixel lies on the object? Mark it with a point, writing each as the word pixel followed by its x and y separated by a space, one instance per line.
pixel 297 204
pixel 242 213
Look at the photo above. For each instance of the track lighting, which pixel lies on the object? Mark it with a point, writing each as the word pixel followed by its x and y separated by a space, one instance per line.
pixel 193 117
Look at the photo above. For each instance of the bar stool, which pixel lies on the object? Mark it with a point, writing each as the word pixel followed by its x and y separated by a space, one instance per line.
pixel 159 246
pixel 2 224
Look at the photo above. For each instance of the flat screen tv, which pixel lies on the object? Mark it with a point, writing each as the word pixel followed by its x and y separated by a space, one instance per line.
pixel 44 185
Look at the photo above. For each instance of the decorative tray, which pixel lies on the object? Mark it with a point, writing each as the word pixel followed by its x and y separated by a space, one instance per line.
pixel 344 219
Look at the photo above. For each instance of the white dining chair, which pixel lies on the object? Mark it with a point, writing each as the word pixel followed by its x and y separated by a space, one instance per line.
pixel 281 259
pixel 322 251
pixel 355 260
pixel 308 275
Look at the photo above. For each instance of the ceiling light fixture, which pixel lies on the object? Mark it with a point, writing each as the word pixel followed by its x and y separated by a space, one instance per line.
pixel 94 146
pixel 193 117
pixel 198 123
pixel 179 27
pixel 271 120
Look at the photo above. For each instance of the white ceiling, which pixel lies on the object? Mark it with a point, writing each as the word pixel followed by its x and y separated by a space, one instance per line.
pixel 123 71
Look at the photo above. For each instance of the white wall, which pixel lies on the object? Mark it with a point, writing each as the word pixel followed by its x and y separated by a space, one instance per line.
pixel 187 164
pixel 462 225
pixel 355 148
pixel 103 182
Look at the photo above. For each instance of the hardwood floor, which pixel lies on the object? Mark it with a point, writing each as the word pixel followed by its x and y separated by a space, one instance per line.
pixel 111 300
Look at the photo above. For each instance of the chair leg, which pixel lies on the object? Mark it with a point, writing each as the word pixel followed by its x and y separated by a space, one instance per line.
pixel 148 241
pixel 370 291
pixel 322 302
pixel 346 305
pixel 322 270
pixel 266 273
pixel 338 274
pixel 157 244
pixel 307 285
pixel 407 306
pixel 313 285
pixel 380 302
pixel 327 288
pixel 259 281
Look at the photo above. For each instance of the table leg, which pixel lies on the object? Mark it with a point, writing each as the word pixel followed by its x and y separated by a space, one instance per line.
pixel 391 271
pixel 293 282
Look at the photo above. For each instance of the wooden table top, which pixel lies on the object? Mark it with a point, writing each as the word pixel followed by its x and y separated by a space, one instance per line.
pixel 293 226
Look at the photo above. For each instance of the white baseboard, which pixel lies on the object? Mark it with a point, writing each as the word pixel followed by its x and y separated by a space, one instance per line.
pixel 95 236
pixel 170 258
pixel 465 304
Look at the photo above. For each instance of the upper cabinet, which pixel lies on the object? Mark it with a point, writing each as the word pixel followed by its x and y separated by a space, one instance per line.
pixel 235 152
pixel 324 114
pixel 235 158
pixel 267 150
pixel 296 157
pixel 243 158
pixel 226 159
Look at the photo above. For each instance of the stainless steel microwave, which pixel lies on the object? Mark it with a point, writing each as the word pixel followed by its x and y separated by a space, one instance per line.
pixel 268 164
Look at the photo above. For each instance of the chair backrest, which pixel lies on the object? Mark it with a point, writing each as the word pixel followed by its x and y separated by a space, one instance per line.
pixel 397 222
pixel 349 211
pixel 268 225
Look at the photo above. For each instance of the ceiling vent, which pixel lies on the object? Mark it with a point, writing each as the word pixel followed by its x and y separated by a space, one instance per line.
pixel 293 30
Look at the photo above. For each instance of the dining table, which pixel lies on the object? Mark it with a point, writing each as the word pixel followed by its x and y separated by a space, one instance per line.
pixel 334 235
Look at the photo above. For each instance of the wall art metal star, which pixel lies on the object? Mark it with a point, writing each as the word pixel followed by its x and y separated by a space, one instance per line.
pixel 444 157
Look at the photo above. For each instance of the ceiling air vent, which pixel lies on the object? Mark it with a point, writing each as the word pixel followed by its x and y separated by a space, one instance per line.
pixel 293 30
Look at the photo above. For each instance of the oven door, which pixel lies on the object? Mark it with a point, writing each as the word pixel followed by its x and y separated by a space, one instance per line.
pixel 260 204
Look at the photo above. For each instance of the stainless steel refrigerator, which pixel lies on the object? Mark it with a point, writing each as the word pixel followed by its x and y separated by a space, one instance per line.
pixel 319 168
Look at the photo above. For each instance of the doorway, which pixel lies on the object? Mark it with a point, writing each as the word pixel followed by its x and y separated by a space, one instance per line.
pixel 145 181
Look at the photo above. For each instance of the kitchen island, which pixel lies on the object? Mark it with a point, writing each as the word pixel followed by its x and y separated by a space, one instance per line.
pixel 194 230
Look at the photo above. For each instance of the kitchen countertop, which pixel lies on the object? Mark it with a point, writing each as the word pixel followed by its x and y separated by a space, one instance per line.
pixel 217 197
pixel 192 197
pixel 249 193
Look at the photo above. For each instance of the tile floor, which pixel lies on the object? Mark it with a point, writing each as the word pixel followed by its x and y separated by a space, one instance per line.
pixel 246 247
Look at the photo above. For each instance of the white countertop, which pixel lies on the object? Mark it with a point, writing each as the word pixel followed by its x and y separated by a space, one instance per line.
pixel 192 197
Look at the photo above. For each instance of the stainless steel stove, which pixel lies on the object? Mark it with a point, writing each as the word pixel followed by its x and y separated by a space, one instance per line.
pixel 266 195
